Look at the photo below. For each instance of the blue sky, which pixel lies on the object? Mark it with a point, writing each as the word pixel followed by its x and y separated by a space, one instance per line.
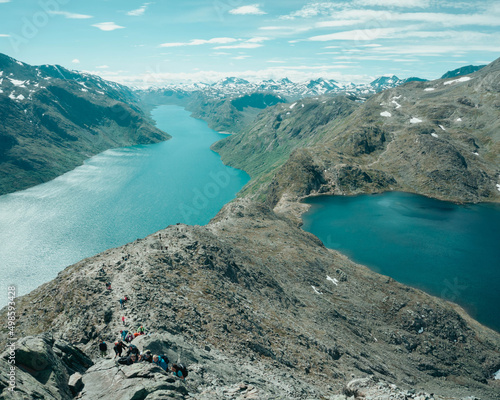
pixel 151 43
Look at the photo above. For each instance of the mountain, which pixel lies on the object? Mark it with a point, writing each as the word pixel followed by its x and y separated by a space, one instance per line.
pixel 469 69
pixel 437 138
pixel 53 119
pixel 234 87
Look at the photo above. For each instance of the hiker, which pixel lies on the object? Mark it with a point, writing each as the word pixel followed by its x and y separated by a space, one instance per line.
pixel 108 285
pixel 132 349
pixel 141 330
pixel 128 360
pixel 146 356
pixel 123 320
pixel 119 347
pixel 161 361
pixel 180 371
pixel 125 299
pixel 129 338
pixel 123 334
pixel 103 347
pixel 121 303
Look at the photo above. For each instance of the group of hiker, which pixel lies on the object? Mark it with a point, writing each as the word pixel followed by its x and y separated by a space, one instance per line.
pixel 133 355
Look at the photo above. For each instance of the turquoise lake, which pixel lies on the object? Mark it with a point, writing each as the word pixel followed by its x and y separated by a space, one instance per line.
pixel 114 198
pixel 447 250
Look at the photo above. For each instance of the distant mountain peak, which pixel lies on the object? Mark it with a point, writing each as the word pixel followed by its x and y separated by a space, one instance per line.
pixel 469 69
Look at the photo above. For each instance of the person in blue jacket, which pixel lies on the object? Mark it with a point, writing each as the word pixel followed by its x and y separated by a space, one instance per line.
pixel 161 362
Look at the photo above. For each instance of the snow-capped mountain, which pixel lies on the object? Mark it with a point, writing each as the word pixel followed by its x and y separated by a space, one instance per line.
pixel 232 87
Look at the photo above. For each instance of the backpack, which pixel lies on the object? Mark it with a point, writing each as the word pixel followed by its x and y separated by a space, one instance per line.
pixel 132 349
pixel 164 358
pixel 183 369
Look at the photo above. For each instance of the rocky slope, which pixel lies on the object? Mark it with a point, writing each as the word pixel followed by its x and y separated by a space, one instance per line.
pixel 53 119
pixel 438 138
pixel 256 288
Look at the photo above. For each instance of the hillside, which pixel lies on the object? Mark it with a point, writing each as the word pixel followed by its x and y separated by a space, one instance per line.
pixel 53 119
pixel 438 138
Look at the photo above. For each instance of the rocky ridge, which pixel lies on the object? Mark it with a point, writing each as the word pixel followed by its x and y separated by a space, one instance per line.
pixel 254 287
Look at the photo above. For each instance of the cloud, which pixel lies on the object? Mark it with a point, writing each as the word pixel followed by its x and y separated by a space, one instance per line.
pixel 245 45
pixel 313 10
pixel 198 42
pixel 253 9
pixel 107 26
pixel 70 15
pixel 4 1
pixel 356 34
pixel 240 57
pixel 140 11
pixel 4 35
pixel 394 3
pixel 76 61
pixel 102 67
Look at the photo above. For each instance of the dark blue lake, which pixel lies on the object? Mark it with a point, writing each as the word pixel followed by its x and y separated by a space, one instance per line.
pixel 447 250
pixel 114 198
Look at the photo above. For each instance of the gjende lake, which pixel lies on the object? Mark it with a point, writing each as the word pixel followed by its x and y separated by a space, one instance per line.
pixel 447 250
pixel 114 198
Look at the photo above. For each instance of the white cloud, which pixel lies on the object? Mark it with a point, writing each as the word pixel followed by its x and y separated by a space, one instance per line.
pixel 107 26
pixel 198 42
pixel 240 57
pixel 76 61
pixel 253 9
pixel 240 46
pixel 4 35
pixel 70 15
pixel 394 3
pixel 4 1
pixel 140 11
pixel 102 67
pixel 342 22
pixel 357 34
pixel 313 10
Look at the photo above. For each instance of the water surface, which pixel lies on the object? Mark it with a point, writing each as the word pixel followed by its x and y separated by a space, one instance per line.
pixel 114 198
pixel 448 250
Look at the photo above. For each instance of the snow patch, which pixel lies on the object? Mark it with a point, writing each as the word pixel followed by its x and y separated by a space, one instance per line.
pixel 442 127
pixel 459 120
pixel 302 105
pixel 434 134
pixel 496 375
pixel 335 281
pixel 421 330
pixel 462 79
pixel 475 153
pixel 17 83
pixel 20 97
pixel 20 63
pixel 397 97
pixel 429 89
pixel 293 105
pixel 1 91
pixel 498 188
pixel 12 96
pixel 386 114
pixel 415 120
pixel 316 290
pixel 84 90
pixel 396 103
pixel 1 73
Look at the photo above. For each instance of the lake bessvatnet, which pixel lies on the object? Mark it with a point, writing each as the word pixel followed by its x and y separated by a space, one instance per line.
pixel 114 198
pixel 448 250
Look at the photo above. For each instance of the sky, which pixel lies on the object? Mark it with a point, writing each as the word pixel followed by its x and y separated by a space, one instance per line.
pixel 165 41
